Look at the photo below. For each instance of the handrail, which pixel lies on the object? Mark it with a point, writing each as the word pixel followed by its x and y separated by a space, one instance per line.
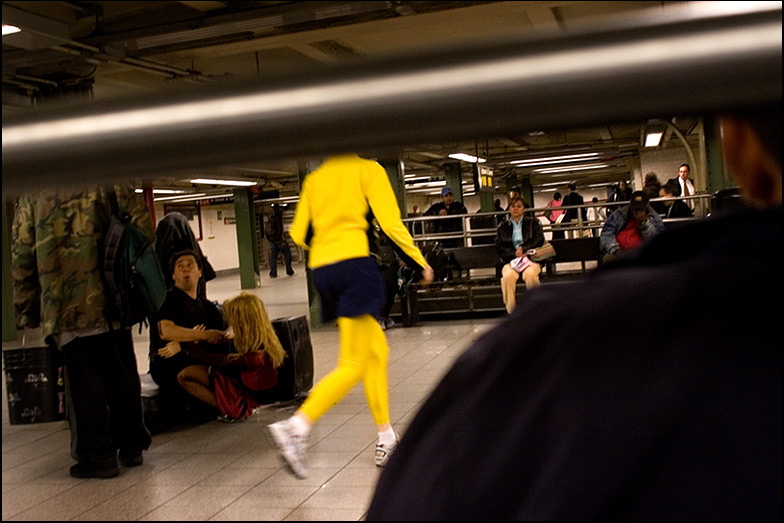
pixel 698 58
pixel 702 202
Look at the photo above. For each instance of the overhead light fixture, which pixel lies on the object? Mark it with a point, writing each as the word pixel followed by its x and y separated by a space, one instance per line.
pixel 30 31
pixel 654 130
pixel 10 29
pixel 208 181
pixel 162 191
pixel 653 139
pixel 467 158
pixel 165 198
pixel 572 168
pixel 566 158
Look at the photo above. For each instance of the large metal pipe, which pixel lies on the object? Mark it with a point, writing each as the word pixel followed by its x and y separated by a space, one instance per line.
pixel 698 59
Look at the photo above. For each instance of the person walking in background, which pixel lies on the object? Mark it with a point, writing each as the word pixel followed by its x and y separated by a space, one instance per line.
pixel 614 416
pixel 276 235
pixel 572 215
pixel 554 213
pixel 57 237
pixel 596 215
pixel 332 221
pixel 240 380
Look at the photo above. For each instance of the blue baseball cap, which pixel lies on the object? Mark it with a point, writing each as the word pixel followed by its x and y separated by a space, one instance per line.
pixel 446 190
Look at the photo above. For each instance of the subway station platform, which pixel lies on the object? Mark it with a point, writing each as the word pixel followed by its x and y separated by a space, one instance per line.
pixel 230 471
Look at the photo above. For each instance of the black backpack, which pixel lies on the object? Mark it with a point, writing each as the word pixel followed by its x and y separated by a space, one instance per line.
pixel 438 259
pixel 135 284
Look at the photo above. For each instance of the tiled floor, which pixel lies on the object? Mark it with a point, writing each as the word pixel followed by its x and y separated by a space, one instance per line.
pixel 218 471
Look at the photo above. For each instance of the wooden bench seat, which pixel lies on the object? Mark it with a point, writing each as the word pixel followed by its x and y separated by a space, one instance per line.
pixel 474 283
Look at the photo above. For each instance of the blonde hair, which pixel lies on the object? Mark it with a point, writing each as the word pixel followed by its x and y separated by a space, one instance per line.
pixel 247 315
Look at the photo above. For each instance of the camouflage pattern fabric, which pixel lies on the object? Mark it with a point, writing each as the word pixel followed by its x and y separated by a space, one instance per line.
pixel 57 237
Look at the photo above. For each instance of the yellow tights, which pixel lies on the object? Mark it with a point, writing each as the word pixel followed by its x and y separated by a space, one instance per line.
pixel 363 357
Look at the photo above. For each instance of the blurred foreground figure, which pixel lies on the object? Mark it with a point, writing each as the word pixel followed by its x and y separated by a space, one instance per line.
pixel 615 404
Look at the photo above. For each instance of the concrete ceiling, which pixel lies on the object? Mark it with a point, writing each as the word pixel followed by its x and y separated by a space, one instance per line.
pixel 126 49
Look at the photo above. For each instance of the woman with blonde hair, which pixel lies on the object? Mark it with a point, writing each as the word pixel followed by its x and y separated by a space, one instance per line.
pixel 240 381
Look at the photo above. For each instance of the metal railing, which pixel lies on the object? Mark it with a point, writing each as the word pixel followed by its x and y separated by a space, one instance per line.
pixel 422 227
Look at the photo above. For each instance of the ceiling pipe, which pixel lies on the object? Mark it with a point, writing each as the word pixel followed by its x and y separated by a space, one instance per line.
pixel 697 59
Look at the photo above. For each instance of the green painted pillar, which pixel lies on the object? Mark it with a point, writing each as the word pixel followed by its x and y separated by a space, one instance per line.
pixel 314 301
pixel 245 216
pixel 454 179
pixel 486 201
pixel 717 176
pixel 394 169
pixel 9 314
pixel 527 191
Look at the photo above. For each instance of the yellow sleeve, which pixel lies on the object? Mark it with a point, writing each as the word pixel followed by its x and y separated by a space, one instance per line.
pixel 301 224
pixel 383 202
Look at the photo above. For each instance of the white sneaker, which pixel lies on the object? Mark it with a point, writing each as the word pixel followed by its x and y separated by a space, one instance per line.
pixel 291 446
pixel 383 451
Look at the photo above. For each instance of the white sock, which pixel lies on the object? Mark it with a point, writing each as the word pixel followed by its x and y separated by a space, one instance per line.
pixel 387 438
pixel 299 426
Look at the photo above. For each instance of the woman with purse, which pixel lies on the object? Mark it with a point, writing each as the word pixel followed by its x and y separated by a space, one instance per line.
pixel 516 235
pixel 239 382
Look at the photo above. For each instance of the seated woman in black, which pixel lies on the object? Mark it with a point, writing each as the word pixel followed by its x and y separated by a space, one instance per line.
pixel 516 235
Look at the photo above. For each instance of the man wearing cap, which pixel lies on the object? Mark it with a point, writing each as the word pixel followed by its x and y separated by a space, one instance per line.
pixel 447 207
pixel 628 227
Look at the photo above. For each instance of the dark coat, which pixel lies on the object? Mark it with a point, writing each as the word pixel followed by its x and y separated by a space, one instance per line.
pixel 174 234
pixel 533 237
pixel 581 407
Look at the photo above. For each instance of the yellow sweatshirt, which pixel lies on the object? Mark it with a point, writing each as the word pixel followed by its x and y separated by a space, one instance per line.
pixel 333 207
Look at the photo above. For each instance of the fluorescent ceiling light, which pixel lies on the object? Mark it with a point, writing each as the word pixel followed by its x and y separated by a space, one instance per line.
pixel 162 191
pixel 198 196
pixel 10 29
pixel 207 181
pixel 571 168
pixel 653 139
pixel 164 198
pixel 555 159
pixel 467 158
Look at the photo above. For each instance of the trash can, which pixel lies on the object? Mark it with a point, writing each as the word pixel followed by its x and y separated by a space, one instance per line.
pixel 35 384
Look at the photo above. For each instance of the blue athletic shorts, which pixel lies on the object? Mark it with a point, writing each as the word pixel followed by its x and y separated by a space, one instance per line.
pixel 349 288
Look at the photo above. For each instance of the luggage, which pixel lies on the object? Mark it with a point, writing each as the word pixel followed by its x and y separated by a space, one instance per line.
pixel 295 376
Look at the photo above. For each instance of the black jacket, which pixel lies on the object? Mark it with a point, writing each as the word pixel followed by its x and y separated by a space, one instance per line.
pixel 580 406
pixel 533 237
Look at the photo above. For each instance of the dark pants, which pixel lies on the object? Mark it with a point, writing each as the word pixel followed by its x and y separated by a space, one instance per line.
pixel 389 273
pixel 275 248
pixel 106 396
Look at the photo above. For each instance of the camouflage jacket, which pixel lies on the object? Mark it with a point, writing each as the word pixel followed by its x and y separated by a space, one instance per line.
pixel 57 241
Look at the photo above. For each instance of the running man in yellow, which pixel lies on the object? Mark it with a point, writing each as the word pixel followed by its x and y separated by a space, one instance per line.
pixel 333 221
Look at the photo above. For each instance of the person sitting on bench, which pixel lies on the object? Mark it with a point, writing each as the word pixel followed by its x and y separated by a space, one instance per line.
pixel 184 316
pixel 516 235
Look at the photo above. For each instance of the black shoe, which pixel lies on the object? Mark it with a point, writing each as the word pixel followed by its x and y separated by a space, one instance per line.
pixel 131 457
pixel 290 273
pixel 84 469
pixel 273 275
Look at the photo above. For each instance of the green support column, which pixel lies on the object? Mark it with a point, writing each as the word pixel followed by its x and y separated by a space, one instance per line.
pixel 314 302
pixel 527 191
pixel 486 201
pixel 717 176
pixel 245 215
pixel 9 315
pixel 454 179
pixel 394 169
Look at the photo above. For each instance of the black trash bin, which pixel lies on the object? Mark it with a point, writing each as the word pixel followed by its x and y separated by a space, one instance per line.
pixel 34 384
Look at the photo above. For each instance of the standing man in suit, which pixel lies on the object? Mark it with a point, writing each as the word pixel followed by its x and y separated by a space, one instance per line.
pixel 682 184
